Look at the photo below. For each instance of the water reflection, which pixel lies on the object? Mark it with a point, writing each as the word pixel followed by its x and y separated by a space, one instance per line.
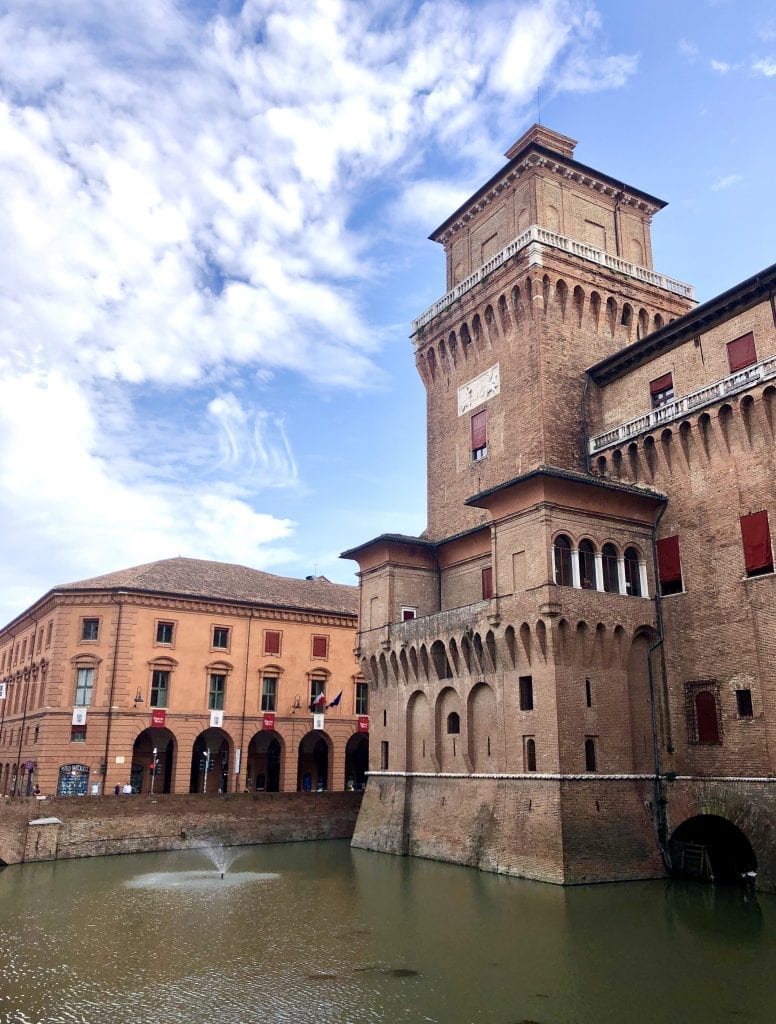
pixel 317 933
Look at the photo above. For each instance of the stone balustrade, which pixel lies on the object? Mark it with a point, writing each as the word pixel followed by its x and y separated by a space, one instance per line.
pixel 537 234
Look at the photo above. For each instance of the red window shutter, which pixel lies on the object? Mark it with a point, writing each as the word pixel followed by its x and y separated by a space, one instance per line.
pixel 272 641
pixel 661 384
pixel 487 583
pixel 741 352
pixel 756 535
pixel 668 560
pixel 320 646
pixel 706 717
pixel 479 430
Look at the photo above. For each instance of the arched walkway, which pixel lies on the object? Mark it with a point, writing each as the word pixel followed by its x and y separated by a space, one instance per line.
pixel 313 765
pixel 712 849
pixel 210 762
pixel 144 778
pixel 356 761
pixel 265 757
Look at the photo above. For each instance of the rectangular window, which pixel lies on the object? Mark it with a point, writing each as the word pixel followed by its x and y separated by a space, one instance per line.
pixel 221 637
pixel 487 583
pixel 160 687
pixel 40 641
pixel 744 704
pixel 272 639
pixel 84 687
pixel 217 691
pixel 479 435
pixel 591 758
pixel 164 632
pixel 661 390
pixel 669 565
pixel 78 734
pixel 408 613
pixel 320 647
pixel 317 694
pixel 269 692
pixel 526 693
pixel 741 352
pixel 90 629
pixel 588 694
pixel 758 550
pixel 362 698
pixel 384 755
pixel 48 633
pixel 24 648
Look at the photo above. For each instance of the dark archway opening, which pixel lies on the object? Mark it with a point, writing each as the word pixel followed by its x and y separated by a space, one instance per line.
pixel 356 761
pixel 210 762
pixel 313 764
pixel 264 763
pixel 712 849
pixel 153 759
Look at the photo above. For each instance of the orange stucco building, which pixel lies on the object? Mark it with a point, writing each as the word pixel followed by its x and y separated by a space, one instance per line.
pixel 183 676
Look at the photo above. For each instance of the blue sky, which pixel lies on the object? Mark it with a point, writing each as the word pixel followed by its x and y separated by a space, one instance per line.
pixel 214 238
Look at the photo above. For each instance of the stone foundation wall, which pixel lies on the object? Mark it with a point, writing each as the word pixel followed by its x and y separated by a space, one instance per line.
pixel 99 826
pixel 564 831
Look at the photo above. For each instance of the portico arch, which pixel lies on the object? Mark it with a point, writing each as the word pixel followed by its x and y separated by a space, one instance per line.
pixel 210 762
pixel 315 750
pixel 266 753
pixel 143 779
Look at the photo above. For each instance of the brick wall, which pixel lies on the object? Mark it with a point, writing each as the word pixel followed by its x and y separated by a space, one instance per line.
pixel 98 826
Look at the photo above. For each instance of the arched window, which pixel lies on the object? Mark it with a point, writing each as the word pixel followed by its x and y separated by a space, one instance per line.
pixel 530 754
pixel 632 573
pixel 453 724
pixel 587 564
pixel 706 719
pixel 590 760
pixel 561 551
pixel 611 576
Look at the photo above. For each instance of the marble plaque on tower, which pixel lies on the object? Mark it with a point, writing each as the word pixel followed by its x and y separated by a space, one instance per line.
pixel 478 390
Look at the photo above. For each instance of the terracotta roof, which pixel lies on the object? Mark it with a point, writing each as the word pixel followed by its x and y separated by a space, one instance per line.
pixel 194 577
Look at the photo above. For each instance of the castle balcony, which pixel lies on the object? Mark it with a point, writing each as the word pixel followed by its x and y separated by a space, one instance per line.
pixel 671 411
pixel 536 237
pixel 429 627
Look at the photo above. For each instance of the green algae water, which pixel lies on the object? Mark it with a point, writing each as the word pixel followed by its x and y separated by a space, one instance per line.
pixel 317 933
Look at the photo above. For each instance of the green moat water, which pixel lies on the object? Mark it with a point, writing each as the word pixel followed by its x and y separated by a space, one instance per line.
pixel 313 933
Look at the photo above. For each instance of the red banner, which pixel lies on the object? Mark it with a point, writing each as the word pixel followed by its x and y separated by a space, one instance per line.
pixel 269 720
pixel 363 723
pixel 158 718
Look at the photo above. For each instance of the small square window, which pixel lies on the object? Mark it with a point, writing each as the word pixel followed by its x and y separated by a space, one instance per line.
pixel 661 390
pixel 164 632
pixel 744 704
pixel 78 734
pixel 90 629
pixel 320 647
pixel 408 613
pixel 741 353
pixel 221 637
pixel 272 640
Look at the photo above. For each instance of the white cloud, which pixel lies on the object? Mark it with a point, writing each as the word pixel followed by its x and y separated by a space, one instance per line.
pixel 766 67
pixel 688 49
pixel 184 199
pixel 726 181
pixel 722 67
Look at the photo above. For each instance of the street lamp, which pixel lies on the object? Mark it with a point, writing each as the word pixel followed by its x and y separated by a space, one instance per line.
pixel 207 768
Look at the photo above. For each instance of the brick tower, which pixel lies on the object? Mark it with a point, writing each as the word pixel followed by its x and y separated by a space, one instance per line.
pixel 519 704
